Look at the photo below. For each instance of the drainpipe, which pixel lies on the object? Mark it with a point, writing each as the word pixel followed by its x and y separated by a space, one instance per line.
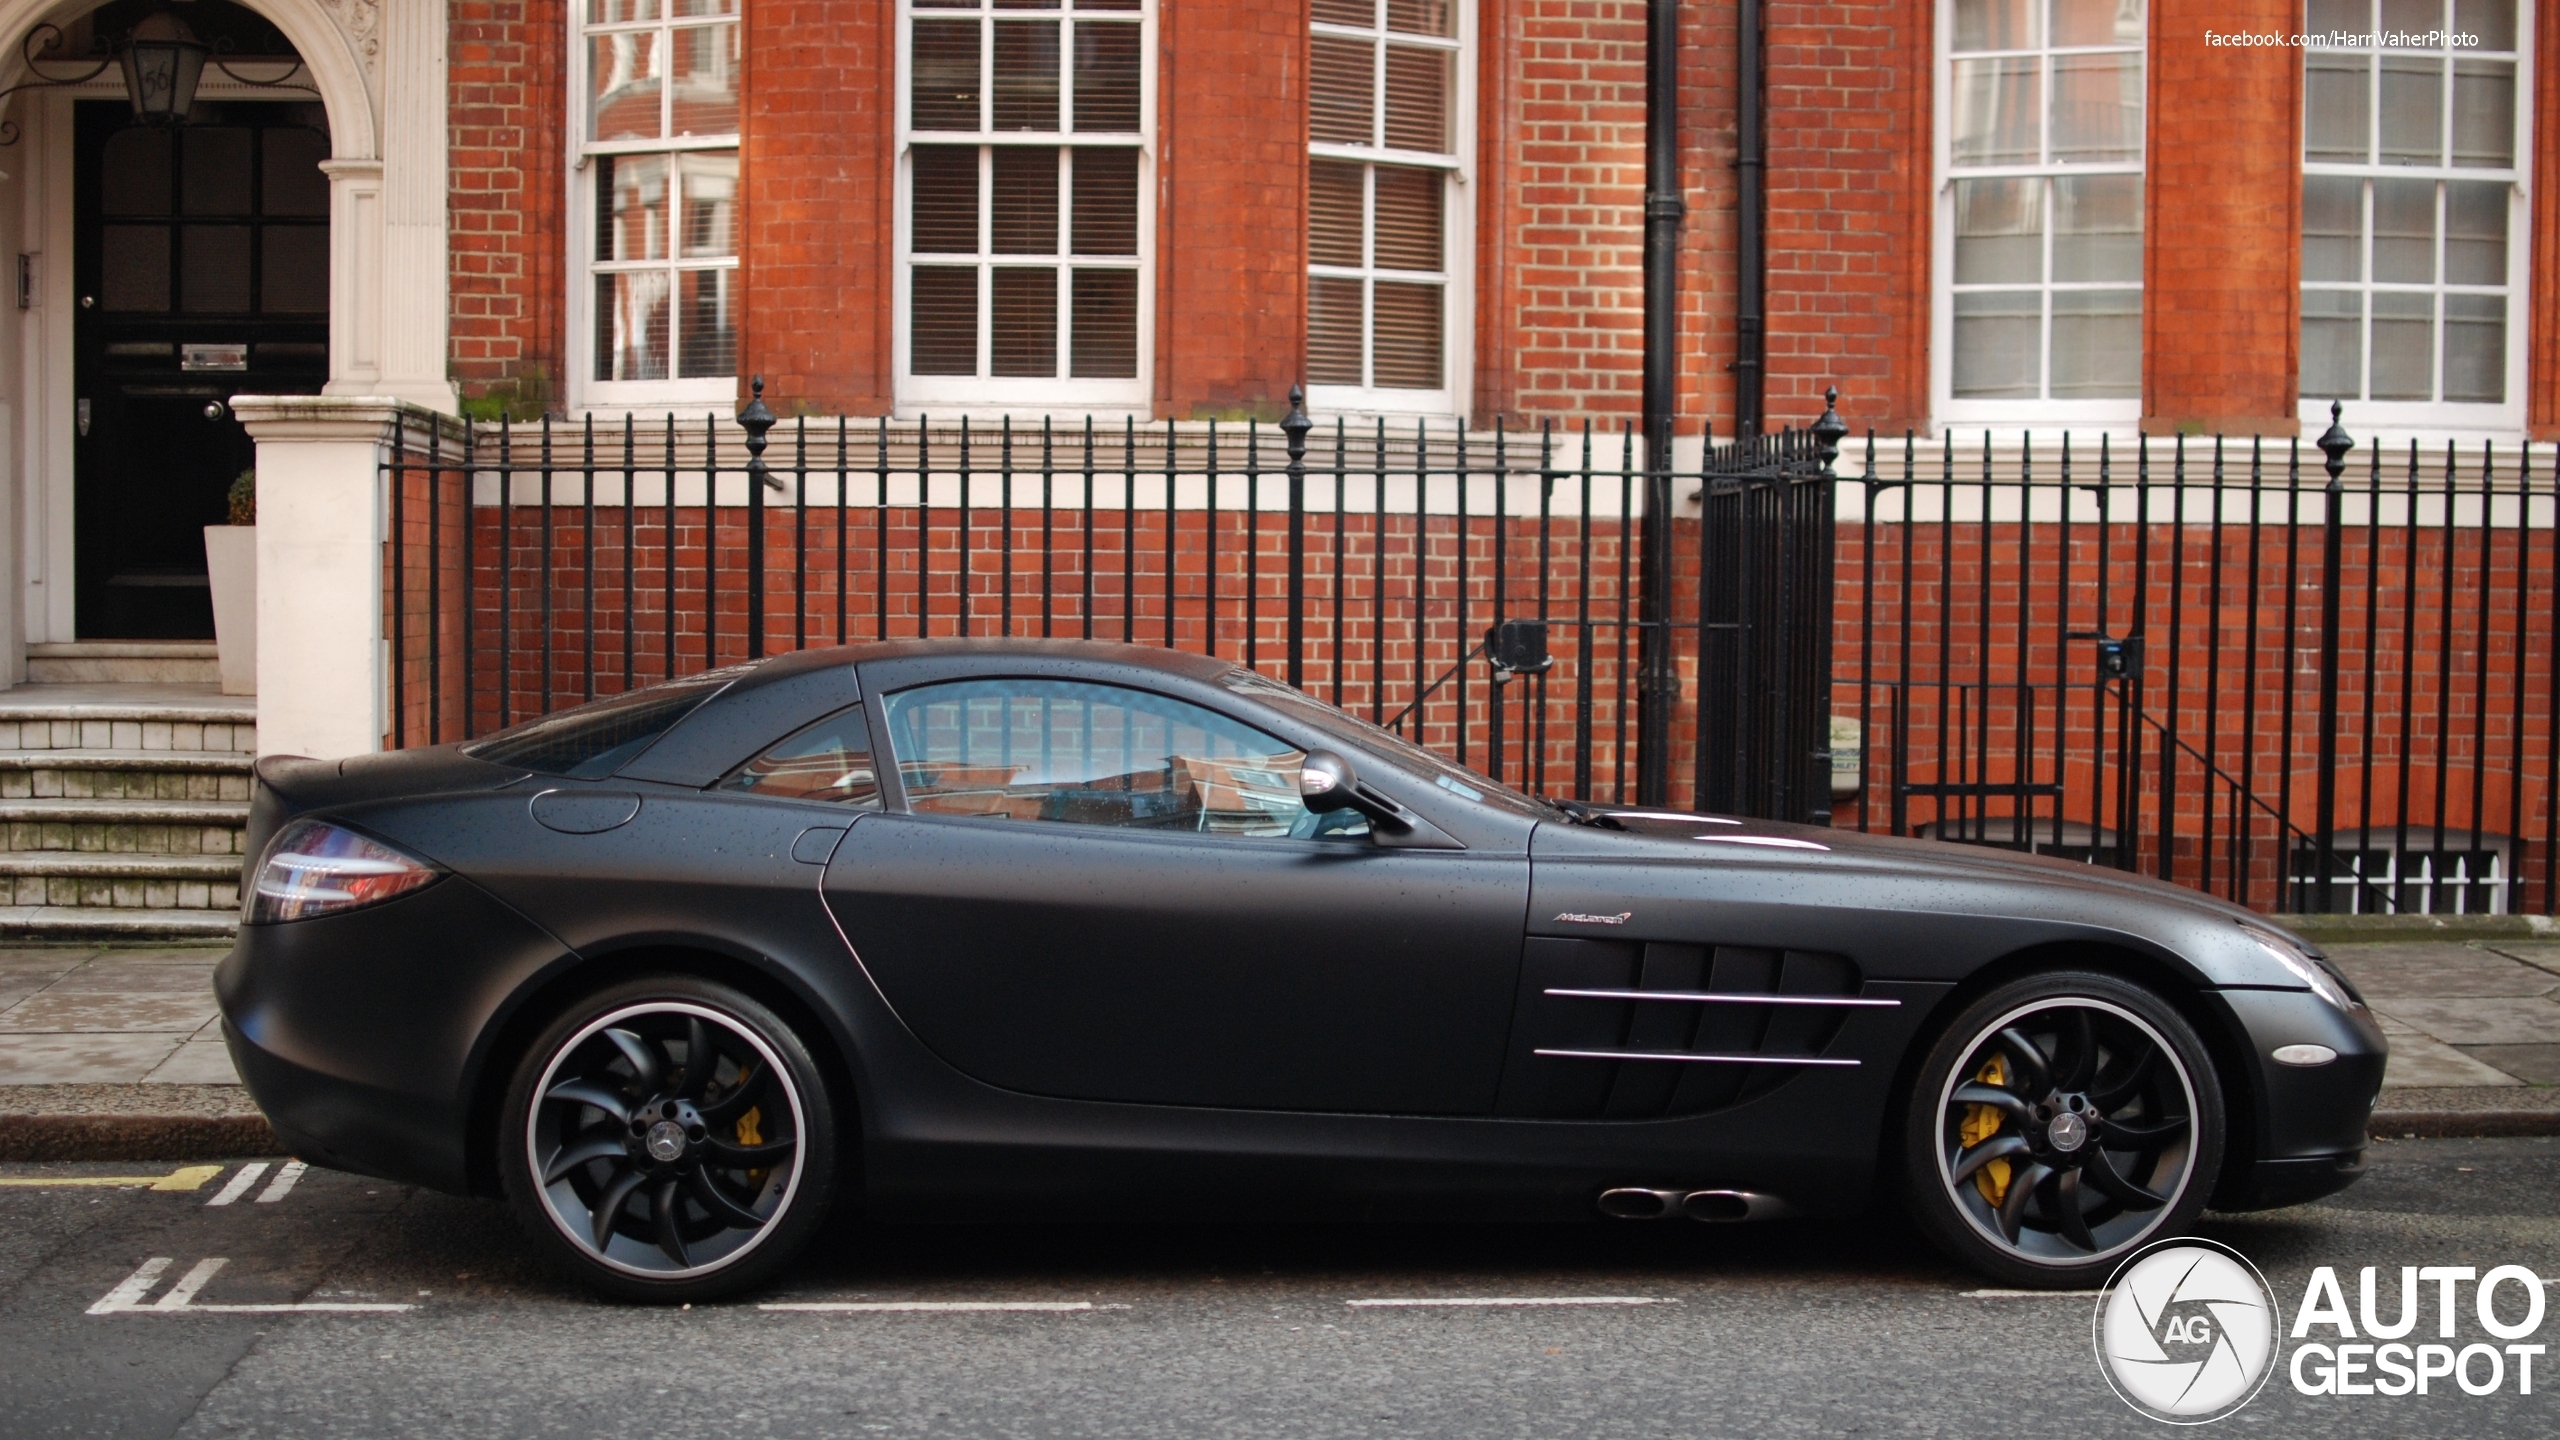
pixel 1657 685
pixel 1750 229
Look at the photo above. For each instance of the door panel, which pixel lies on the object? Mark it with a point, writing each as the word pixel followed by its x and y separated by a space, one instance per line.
pixel 202 272
pixel 1109 964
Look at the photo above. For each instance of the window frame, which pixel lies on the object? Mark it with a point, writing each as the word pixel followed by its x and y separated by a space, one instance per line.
pixel 1062 394
pixel 1458 226
pixel 587 392
pixel 2435 416
pixel 891 759
pixel 1944 404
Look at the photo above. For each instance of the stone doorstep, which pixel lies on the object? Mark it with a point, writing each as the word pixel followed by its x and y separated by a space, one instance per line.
pixel 116 865
pixel 100 925
pixel 153 733
pixel 224 762
pixel 208 813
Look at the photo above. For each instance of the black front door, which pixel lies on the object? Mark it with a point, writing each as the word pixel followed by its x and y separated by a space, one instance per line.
pixel 202 272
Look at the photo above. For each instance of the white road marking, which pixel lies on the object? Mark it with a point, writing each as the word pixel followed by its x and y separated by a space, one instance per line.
pixel 132 1288
pixel 1473 1301
pixel 282 1185
pixel 126 1298
pixel 843 1307
pixel 184 1292
pixel 240 1183
pixel 2032 1294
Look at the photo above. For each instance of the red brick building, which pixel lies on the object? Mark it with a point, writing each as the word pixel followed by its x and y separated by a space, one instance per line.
pixel 2030 212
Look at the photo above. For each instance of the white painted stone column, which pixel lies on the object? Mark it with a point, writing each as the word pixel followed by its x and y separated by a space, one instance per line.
pixel 414 182
pixel 323 520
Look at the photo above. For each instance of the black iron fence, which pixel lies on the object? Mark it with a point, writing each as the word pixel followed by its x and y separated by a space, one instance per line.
pixel 1532 603
pixel 2303 678
pixel 2296 679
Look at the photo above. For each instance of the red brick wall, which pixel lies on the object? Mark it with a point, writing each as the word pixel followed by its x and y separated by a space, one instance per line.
pixel 818 173
pixel 506 124
pixel 1847 126
pixel 1570 338
pixel 1231 184
pixel 2222 265
pixel 1849 210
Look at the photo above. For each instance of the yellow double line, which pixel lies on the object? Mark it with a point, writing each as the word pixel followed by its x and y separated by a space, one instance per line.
pixel 185 1177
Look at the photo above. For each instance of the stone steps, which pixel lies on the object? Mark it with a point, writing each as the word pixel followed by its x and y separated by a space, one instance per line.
pixel 123 804
pixel 72 924
pixel 151 662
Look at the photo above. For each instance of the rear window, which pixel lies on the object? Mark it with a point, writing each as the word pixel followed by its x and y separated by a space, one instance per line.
pixel 594 740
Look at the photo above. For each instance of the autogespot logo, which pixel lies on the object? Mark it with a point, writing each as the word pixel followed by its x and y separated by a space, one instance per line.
pixel 2186 1331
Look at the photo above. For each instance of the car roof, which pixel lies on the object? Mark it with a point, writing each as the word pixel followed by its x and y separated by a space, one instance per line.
pixel 1108 652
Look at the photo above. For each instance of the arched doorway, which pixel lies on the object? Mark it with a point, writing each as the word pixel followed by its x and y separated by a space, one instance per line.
pixel 201 267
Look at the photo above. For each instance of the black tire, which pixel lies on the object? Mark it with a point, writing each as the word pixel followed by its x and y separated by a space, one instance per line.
pixel 699 1184
pixel 2103 1130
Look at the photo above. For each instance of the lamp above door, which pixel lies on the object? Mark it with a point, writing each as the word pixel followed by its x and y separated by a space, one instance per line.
pixel 162 60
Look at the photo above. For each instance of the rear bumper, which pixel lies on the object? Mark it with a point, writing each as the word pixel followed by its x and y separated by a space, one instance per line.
pixel 345 1125
pixel 363 1036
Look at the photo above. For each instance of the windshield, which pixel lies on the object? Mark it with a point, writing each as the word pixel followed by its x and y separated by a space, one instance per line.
pixel 596 739
pixel 1449 775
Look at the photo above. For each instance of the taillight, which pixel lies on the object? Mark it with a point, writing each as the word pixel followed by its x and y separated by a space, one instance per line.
pixel 315 868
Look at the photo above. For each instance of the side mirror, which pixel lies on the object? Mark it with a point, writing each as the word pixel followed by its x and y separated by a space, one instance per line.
pixel 1326 783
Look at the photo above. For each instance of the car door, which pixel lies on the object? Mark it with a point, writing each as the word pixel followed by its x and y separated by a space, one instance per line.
pixel 1106 893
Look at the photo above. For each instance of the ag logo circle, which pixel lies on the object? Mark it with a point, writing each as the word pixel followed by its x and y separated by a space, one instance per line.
pixel 2186 1331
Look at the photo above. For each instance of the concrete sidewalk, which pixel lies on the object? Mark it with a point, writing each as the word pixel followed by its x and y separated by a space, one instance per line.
pixel 115 1054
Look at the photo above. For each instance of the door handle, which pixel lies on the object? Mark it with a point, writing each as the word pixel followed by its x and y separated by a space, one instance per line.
pixel 213 410
pixel 84 419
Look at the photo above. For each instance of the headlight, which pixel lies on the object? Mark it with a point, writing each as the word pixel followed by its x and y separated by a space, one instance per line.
pixel 2305 967
pixel 315 868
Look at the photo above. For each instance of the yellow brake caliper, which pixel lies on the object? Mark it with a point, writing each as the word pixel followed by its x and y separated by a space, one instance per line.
pixel 1981 1122
pixel 750 1133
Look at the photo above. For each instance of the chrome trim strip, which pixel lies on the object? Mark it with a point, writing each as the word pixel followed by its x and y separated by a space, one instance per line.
pixel 1689 1059
pixel 1728 997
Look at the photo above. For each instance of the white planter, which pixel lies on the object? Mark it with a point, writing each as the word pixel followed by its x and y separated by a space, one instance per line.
pixel 231 560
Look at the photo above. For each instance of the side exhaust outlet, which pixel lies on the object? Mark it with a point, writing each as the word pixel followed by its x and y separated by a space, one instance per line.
pixel 1634 1204
pixel 1714 1207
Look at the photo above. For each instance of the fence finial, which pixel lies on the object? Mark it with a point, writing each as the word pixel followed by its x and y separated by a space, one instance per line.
pixel 1829 429
pixel 2335 442
pixel 756 420
pixel 1295 424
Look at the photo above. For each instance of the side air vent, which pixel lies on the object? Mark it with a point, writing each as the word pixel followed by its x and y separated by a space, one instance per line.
pixel 1621 1030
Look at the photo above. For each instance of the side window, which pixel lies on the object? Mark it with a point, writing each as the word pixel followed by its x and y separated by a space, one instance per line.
pixel 830 760
pixel 1082 754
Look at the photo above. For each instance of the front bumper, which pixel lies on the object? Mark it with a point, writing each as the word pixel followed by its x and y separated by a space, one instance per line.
pixel 2307 1126
pixel 363 1036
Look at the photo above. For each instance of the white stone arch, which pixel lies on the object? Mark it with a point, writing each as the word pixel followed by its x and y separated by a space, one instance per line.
pixel 327 50
pixel 379 67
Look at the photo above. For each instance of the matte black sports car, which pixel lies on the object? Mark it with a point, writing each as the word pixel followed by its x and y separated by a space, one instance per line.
pixel 1027 928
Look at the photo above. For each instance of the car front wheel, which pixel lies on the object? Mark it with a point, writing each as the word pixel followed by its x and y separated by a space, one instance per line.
pixel 2062 1121
pixel 669 1140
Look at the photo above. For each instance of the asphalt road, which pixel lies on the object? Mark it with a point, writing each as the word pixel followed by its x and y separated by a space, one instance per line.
pixel 1191 1331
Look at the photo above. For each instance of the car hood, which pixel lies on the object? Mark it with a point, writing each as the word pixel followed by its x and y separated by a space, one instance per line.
pixel 1893 891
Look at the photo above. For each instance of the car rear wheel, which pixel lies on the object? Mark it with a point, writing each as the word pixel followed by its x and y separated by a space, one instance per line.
pixel 669 1140
pixel 2061 1122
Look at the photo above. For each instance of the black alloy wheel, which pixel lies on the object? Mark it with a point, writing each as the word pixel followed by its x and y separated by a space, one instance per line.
pixel 2061 1122
pixel 669 1140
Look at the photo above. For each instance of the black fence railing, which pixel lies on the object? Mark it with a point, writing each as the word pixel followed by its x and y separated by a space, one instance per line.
pixel 2230 664
pixel 1532 603
pixel 2303 677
